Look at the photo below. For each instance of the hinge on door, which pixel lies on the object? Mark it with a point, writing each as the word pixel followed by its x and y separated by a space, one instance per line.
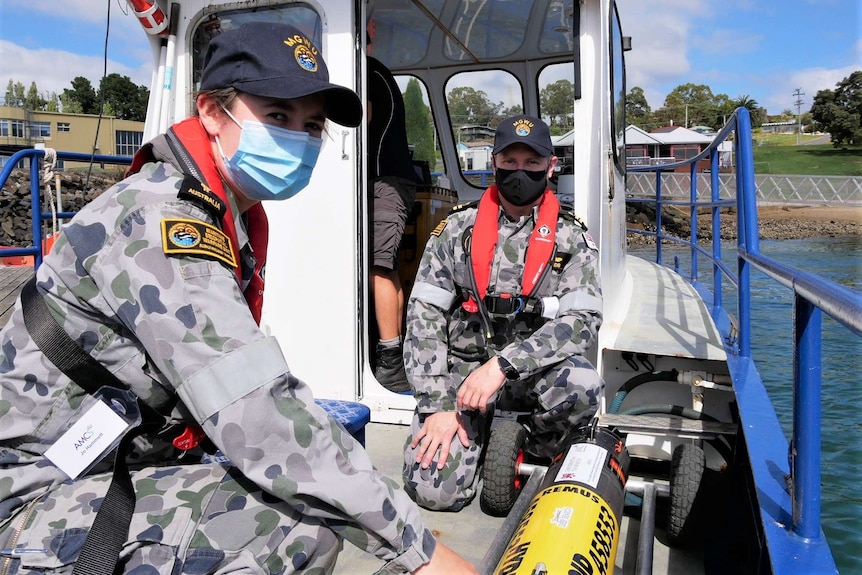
pixel 611 179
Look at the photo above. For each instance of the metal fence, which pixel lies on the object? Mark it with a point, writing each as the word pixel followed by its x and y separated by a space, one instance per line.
pixel 809 190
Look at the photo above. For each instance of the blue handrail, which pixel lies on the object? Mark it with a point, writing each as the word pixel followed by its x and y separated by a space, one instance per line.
pixel 35 155
pixel 813 295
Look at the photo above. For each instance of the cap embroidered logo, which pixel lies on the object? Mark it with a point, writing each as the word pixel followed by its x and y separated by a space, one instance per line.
pixel 523 127
pixel 305 52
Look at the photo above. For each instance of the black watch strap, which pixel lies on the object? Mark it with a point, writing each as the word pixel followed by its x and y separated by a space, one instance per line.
pixel 508 369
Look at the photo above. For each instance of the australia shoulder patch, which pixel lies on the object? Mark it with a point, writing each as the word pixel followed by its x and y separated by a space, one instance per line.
pixel 194 191
pixel 194 237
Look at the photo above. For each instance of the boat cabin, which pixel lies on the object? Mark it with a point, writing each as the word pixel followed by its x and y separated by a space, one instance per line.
pixel 468 66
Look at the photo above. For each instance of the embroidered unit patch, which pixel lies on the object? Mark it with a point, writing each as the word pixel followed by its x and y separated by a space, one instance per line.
pixel 194 237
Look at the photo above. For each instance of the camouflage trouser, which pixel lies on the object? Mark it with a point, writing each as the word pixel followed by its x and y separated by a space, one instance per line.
pixel 560 399
pixel 192 519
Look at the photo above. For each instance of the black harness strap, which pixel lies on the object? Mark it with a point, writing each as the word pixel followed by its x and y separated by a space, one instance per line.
pixel 110 529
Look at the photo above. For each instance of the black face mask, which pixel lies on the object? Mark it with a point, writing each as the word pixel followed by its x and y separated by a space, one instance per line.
pixel 521 187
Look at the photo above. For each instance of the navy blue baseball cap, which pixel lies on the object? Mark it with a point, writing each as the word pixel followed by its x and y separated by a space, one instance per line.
pixel 276 61
pixel 524 129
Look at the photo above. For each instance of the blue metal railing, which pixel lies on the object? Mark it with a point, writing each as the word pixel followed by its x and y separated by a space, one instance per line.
pixel 37 216
pixel 804 544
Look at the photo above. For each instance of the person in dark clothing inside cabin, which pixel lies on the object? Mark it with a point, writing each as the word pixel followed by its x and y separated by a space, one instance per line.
pixel 393 180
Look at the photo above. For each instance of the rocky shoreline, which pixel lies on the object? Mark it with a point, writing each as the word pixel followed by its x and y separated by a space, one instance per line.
pixel 776 222
pixel 15 227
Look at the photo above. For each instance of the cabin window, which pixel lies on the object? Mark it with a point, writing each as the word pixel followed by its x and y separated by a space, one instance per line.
pixel 618 92
pixel 557 108
pixel 476 102
pixel 421 132
pixel 559 29
pixel 303 16
pixel 487 30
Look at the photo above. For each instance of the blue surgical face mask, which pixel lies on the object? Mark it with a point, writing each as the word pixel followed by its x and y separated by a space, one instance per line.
pixel 271 163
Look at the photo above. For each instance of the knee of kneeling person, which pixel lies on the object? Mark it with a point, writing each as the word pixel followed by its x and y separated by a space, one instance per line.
pixel 431 490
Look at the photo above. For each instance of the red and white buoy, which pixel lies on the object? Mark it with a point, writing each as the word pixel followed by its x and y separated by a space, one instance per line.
pixel 152 17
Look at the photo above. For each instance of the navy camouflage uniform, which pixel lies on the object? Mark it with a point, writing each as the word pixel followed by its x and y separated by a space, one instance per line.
pixel 179 327
pixel 445 343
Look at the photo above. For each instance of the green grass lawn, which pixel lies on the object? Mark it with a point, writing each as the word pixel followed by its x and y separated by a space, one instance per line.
pixel 779 154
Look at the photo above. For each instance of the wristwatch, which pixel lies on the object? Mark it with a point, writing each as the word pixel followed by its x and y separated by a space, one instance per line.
pixel 508 369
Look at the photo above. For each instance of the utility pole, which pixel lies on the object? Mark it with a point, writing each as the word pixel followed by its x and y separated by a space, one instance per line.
pixel 798 93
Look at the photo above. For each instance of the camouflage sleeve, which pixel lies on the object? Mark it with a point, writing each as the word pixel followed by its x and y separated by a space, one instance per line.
pixel 574 329
pixel 193 322
pixel 426 341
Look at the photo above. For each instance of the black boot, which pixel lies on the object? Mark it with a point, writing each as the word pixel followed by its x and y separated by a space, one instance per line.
pixel 390 369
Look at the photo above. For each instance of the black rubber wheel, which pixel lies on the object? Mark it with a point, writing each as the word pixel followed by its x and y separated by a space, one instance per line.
pixel 503 455
pixel 686 481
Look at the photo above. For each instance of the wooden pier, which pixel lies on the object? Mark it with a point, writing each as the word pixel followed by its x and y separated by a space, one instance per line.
pixel 12 279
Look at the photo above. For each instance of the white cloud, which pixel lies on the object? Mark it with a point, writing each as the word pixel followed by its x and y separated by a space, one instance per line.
pixel 811 81
pixel 660 34
pixel 54 70
pixel 85 10
pixel 666 33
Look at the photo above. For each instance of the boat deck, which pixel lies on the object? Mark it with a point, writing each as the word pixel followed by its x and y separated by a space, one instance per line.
pixel 470 532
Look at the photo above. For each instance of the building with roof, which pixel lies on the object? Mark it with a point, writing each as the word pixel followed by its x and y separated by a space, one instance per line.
pixel 786 127
pixel 665 146
pixel 21 128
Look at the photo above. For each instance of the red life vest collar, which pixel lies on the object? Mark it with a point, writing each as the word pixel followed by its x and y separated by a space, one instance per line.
pixel 484 242
pixel 196 141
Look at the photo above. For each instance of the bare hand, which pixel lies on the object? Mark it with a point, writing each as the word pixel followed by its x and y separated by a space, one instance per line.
pixel 437 432
pixel 480 386
pixel 446 562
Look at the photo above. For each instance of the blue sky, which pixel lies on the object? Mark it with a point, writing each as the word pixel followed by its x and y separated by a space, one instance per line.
pixel 764 49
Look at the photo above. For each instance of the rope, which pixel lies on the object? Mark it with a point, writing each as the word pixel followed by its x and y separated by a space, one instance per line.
pixel 46 177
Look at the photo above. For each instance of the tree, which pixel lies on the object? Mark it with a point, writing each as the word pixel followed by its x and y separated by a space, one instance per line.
pixel 470 106
pixel 15 96
pixel 53 103
pixel 692 105
pixel 81 98
pixel 34 101
pixel 69 104
pixel 750 104
pixel 638 111
pixel 839 112
pixel 128 101
pixel 420 131
pixel 9 96
pixel 557 102
pixel 515 110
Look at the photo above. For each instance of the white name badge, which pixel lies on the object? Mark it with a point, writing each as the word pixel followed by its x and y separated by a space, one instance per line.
pixel 93 436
